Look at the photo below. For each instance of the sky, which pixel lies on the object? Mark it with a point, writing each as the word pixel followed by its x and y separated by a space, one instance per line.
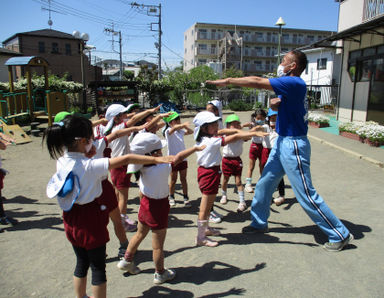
pixel 138 41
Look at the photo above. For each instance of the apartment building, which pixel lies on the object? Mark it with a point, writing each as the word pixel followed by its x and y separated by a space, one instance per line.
pixel 252 49
pixel 360 40
pixel 60 49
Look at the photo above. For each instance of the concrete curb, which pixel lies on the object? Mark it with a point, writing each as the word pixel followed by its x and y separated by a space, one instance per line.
pixel 353 153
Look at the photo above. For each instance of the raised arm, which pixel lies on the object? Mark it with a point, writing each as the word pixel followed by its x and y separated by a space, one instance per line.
pixel 228 131
pixel 184 125
pixel 250 82
pixel 139 116
pixel 125 132
pixel 154 122
pixel 102 121
pixel 179 157
pixel 244 136
pixel 138 159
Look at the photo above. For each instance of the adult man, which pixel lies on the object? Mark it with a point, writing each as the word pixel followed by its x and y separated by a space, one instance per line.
pixel 291 153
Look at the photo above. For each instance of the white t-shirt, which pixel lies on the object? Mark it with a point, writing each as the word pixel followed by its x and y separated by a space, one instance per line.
pixel 89 171
pixel 119 146
pixel 153 181
pixel 234 149
pixel 98 131
pixel 269 140
pixel 211 155
pixel 175 141
pixel 259 140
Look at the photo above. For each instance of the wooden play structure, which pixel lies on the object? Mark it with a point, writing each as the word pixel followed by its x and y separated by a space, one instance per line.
pixel 17 103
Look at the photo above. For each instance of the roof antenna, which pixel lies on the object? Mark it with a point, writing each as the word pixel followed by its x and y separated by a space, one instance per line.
pixel 49 11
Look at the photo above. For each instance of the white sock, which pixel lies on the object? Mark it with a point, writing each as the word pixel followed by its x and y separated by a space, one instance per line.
pixel 223 192
pixel 248 181
pixel 241 196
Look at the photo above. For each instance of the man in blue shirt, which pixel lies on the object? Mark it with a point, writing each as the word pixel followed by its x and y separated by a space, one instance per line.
pixel 291 152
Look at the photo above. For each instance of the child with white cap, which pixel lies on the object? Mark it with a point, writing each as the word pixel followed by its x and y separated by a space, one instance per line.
pixel 232 164
pixel 174 135
pixel 117 119
pixel 154 204
pixel 208 173
pixel 77 185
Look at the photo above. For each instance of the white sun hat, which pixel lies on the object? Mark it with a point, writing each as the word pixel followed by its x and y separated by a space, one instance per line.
pixel 201 119
pixel 144 143
pixel 217 103
pixel 112 111
pixel 65 186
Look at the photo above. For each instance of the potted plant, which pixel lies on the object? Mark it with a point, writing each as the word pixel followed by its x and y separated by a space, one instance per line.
pixel 317 120
pixel 349 130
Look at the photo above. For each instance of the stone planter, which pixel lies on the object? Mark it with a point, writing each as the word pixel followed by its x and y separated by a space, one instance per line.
pixel 350 135
pixel 372 143
pixel 318 125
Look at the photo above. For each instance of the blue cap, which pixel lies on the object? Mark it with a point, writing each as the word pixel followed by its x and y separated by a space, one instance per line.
pixel 271 112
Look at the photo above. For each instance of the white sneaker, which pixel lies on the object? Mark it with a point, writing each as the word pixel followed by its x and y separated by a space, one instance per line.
pixel 278 201
pixel 160 278
pixel 241 207
pixel 248 188
pixel 172 202
pixel 223 200
pixel 128 266
pixel 214 218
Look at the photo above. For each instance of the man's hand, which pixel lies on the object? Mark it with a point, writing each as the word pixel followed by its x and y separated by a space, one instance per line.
pixel 274 103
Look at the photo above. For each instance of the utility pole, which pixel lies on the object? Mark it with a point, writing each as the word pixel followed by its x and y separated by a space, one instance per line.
pixel 111 30
pixel 153 11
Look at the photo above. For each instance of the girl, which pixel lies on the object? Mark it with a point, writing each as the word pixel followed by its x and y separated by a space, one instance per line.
pixel 268 143
pixel 77 185
pixel 232 163
pixel 154 205
pixel 257 119
pixel 117 119
pixel 208 173
pixel 174 135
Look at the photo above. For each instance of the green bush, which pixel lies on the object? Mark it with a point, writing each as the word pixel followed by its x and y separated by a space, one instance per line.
pixel 239 105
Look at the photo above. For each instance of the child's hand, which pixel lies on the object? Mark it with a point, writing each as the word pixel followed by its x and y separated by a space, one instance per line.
pixel 154 110
pixel 141 127
pixel 257 128
pixel 200 148
pixel 164 115
pixel 260 134
pixel 104 121
pixel 274 103
pixel 186 124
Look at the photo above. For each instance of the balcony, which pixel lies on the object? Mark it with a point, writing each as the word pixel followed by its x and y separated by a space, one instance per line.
pixel 372 9
pixel 203 52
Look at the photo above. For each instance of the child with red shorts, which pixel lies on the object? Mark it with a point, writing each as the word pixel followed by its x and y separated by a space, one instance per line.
pixel 208 172
pixel 77 185
pixel 257 119
pixel 174 135
pixel 117 119
pixel 232 164
pixel 154 204
pixel 268 143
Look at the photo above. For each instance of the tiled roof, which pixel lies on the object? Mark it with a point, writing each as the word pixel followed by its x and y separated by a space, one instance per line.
pixel 43 32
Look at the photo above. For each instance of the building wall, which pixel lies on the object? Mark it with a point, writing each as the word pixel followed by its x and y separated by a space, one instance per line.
pixel 260 45
pixel 322 76
pixel 60 61
pixel 351 14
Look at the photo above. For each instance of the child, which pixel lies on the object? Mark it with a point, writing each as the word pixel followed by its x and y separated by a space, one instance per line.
pixel 77 186
pixel 117 119
pixel 208 173
pixel 154 205
pixel 268 143
pixel 257 119
pixel 232 164
pixel 174 135
pixel 4 142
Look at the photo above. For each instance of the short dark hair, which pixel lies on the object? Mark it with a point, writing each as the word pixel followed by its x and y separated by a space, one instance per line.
pixel 301 60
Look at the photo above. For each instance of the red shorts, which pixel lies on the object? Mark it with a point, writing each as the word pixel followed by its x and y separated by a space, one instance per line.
pixel 209 180
pixel 232 166
pixel 86 225
pixel 181 166
pixel 255 151
pixel 120 178
pixel 154 212
pixel 264 157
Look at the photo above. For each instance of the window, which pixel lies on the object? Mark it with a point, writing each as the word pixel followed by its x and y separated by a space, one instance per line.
pixel 202 46
pixel 55 48
pixel 185 37
pixel 285 37
pixel 322 63
pixel 185 50
pixel 41 47
pixel 68 49
pixel 311 38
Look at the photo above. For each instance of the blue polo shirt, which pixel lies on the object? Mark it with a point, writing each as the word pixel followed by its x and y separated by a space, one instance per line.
pixel 292 119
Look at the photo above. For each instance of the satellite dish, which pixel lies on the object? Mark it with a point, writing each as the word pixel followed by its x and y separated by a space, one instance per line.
pixel 85 37
pixel 76 34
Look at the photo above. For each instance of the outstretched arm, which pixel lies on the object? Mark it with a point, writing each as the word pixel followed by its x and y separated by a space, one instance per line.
pixel 124 132
pixel 250 82
pixel 184 125
pixel 138 159
pixel 179 157
pixel 244 136
pixel 139 116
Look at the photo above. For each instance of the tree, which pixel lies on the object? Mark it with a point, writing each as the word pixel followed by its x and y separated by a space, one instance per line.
pixel 232 72
pixel 128 75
